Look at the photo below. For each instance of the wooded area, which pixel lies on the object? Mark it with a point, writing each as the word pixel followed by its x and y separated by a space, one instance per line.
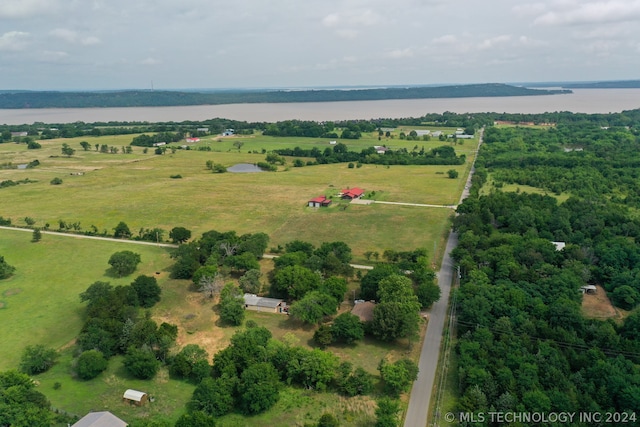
pixel 523 342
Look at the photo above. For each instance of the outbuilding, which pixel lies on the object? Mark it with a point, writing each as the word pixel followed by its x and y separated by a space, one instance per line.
pixel 136 397
pixel 264 304
pixel 100 419
pixel 320 201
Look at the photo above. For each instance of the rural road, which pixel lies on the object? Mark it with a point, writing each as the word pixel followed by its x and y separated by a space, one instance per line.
pixel 420 398
pixel 83 236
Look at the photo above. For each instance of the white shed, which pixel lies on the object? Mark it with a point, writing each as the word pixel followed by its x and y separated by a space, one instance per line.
pixel 135 396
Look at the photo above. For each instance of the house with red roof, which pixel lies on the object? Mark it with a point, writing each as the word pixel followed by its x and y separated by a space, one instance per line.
pixel 320 201
pixel 352 193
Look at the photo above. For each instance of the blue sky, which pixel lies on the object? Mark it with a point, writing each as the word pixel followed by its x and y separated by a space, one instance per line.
pixel 118 44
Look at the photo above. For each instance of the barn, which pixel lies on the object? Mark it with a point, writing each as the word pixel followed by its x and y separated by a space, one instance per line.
pixel 268 305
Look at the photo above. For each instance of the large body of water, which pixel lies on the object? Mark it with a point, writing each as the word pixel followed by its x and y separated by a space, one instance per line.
pixel 581 101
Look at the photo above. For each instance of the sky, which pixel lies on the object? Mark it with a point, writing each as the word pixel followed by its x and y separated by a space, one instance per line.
pixel 188 44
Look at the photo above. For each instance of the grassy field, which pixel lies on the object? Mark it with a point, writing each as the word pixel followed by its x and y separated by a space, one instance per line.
pixel 40 304
pixel 137 189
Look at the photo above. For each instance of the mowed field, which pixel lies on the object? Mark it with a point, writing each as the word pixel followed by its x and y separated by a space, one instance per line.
pixel 138 189
pixel 41 305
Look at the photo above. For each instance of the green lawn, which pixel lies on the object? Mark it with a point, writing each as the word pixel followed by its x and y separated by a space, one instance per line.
pixel 41 301
pixel 137 189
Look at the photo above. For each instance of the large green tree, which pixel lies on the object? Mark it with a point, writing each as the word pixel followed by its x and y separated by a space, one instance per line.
pixel 259 388
pixel 313 307
pixel 90 364
pixel 347 328
pixel 231 305
pixel 294 282
pixel 141 363
pixel 398 313
pixel 37 359
pixel 147 289
pixel 124 262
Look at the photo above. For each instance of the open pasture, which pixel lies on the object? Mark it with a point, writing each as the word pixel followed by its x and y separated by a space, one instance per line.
pixel 138 189
pixel 41 301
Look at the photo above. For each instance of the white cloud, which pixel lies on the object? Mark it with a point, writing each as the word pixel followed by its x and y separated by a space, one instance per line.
pixel 150 61
pixel 54 55
pixel 494 42
pixel 529 9
pixel 25 8
pixel 592 13
pixel 401 53
pixel 347 33
pixel 331 20
pixel 446 39
pixel 530 42
pixel 14 41
pixel 73 37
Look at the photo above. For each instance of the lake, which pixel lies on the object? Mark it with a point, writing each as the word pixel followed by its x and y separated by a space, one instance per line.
pixel 581 101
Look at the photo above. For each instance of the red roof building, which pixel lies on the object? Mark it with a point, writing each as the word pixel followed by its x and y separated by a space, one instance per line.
pixel 352 193
pixel 320 201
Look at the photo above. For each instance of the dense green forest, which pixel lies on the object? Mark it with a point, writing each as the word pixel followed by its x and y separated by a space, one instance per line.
pixel 523 342
pixel 151 98
pixel 621 84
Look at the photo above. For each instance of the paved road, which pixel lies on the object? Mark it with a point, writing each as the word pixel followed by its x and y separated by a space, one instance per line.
pixel 83 236
pixel 420 398
pixel 421 392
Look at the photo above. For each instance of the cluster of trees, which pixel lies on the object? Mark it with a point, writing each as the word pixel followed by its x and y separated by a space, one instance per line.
pixel 218 253
pixel 584 159
pixel 445 155
pixel 248 375
pixel 22 405
pixel 145 140
pixel 116 325
pixel 523 342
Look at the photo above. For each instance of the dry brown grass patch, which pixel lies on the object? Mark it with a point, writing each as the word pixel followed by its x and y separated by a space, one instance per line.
pixel 598 306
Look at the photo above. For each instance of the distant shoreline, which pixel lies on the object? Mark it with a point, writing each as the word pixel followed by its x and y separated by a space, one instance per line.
pixel 150 98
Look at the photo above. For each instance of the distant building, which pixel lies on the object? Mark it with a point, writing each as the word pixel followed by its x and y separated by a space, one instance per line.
pixel 19 134
pixel 203 130
pixel 559 245
pixel 436 133
pixel 193 139
pixel 159 144
pixel 333 142
pixel 228 132
pixel 422 132
pixel 380 149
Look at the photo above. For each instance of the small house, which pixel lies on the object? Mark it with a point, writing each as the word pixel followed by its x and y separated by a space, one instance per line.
pixel 100 419
pixel 14 134
pixel 318 202
pixel 559 245
pixel 136 397
pixel 333 142
pixel 269 305
pixel 228 132
pixel 159 144
pixel 352 193
pixel 193 139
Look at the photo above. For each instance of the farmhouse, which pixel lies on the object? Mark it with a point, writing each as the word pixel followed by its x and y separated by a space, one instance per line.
pixel 136 397
pixel 588 289
pixel 100 419
pixel 422 132
pixel 13 134
pixel 269 305
pixel 228 132
pixel 194 139
pixel 352 193
pixel 364 310
pixel 159 144
pixel 320 201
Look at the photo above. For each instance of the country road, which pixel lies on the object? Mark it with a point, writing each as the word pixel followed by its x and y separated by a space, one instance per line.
pixel 420 398
pixel 83 236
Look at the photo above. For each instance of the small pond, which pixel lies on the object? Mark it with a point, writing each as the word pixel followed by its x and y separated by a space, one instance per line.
pixel 244 168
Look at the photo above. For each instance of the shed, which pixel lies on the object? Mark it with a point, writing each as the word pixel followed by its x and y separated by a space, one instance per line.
pixel 100 419
pixel 559 245
pixel 364 310
pixel 320 201
pixel 137 397
pixel 588 289
pixel 269 305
